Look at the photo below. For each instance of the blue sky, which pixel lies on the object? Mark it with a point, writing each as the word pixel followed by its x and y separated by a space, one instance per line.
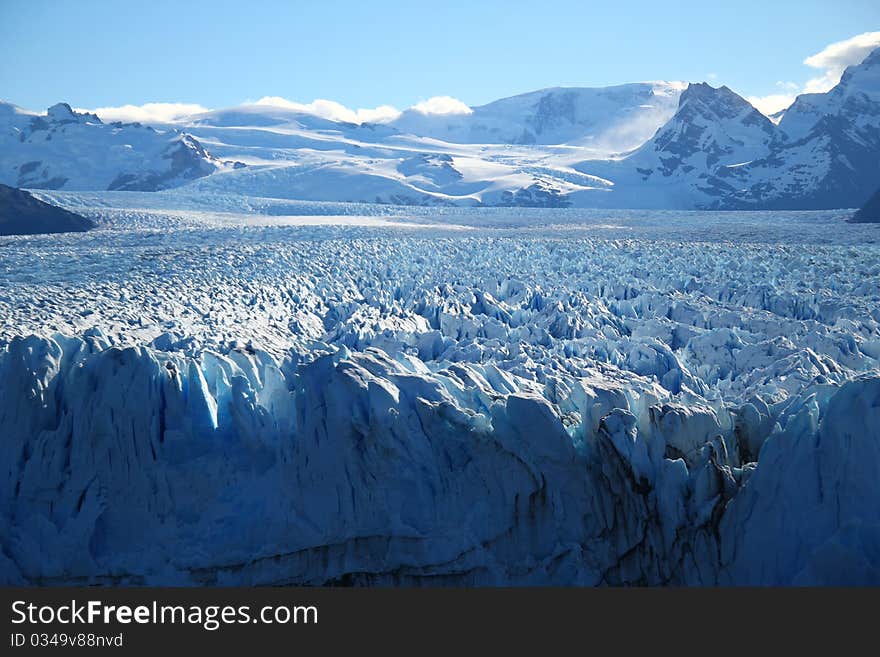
pixel 97 53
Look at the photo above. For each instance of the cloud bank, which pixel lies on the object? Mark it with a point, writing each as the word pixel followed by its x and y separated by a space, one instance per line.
pixel 441 105
pixel 327 109
pixel 831 61
pixel 836 57
pixel 777 102
pixel 330 109
pixel 147 113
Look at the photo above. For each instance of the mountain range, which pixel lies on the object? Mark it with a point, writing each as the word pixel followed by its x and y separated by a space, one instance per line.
pixel 644 145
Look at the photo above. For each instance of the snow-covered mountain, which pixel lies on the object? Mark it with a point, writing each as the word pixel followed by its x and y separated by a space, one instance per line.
pixel 712 129
pixel 644 145
pixel 295 155
pixel 64 149
pixel 614 118
pixel 718 151
pixel 828 155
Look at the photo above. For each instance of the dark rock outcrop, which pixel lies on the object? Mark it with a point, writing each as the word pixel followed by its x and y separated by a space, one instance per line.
pixel 869 213
pixel 22 214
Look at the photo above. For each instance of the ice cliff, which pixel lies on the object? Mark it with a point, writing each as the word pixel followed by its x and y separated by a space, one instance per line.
pixel 133 465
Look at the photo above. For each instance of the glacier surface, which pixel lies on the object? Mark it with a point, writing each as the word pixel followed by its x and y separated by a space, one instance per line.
pixel 240 390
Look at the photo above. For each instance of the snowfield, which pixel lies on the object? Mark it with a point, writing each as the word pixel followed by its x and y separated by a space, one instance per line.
pixel 222 389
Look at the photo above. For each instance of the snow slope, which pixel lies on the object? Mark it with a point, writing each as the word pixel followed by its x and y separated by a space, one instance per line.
pixel 608 119
pixel 693 147
pixel 196 394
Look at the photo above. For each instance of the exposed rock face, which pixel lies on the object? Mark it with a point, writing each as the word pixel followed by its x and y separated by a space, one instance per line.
pixel 61 113
pixel 22 214
pixel 188 162
pixel 712 128
pixel 869 213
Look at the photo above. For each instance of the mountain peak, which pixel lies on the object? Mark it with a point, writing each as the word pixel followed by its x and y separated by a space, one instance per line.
pixel 63 113
pixel 606 119
pixel 702 105
pixel 854 98
pixel 863 77
pixel 74 150
pixel 713 128
pixel 719 100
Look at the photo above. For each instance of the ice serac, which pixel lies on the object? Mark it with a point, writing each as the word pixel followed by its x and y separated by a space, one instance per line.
pixel 135 465
pixel 66 149
pixel 582 404
pixel 808 514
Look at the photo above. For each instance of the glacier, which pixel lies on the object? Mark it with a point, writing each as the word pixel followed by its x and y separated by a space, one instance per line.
pixel 228 390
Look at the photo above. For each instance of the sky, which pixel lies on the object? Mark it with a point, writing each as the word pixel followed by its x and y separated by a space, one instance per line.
pixel 367 60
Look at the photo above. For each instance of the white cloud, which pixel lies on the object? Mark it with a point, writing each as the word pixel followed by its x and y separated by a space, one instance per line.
pixel 788 86
pixel 442 105
pixel 773 103
pixel 147 113
pixel 330 109
pixel 833 59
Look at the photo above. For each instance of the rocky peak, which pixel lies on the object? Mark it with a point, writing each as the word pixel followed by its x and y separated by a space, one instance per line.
pixel 707 102
pixel 713 125
pixel 856 97
pixel 63 113
pixel 863 78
